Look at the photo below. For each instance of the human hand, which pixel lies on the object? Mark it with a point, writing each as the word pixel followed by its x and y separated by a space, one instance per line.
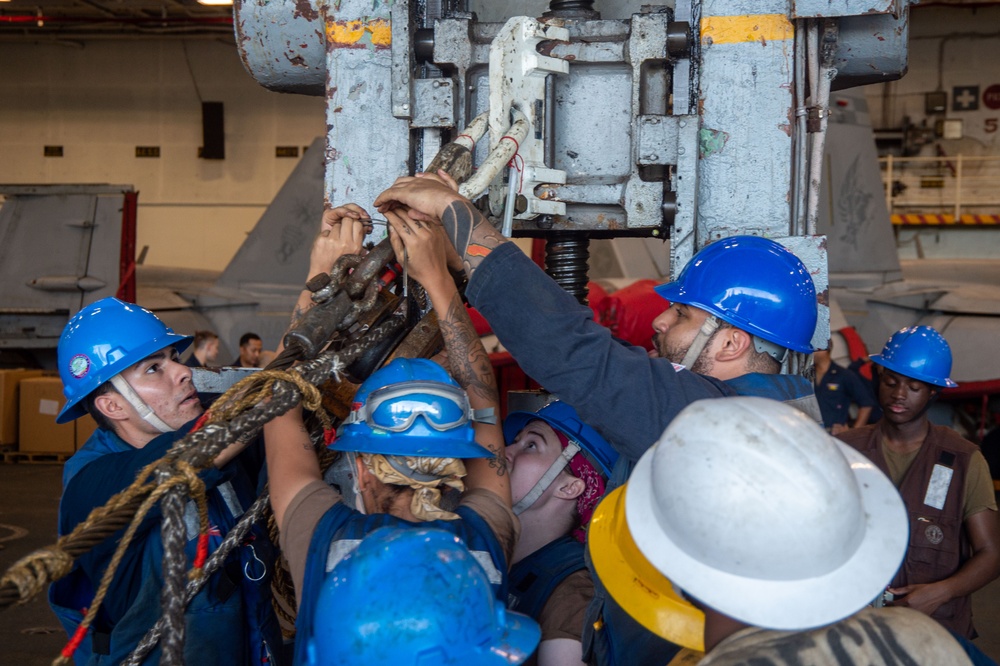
pixel 422 245
pixel 442 176
pixel 342 232
pixel 427 196
pixel 926 598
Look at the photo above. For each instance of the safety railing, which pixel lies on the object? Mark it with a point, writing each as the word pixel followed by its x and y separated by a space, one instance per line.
pixel 945 190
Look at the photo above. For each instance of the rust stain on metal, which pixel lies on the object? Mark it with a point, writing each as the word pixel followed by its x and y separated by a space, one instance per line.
pixel 545 48
pixel 823 297
pixel 338 109
pixel 298 61
pixel 305 9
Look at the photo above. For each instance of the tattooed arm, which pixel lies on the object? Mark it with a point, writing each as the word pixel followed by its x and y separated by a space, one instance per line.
pixel 342 232
pixel 429 200
pixel 425 244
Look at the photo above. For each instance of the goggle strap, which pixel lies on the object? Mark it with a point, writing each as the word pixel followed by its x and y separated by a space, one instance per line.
pixel 487 415
pixel 356 415
pixel 558 465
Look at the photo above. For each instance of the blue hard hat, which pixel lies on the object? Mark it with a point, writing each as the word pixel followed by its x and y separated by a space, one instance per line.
pixel 918 352
pixel 753 283
pixel 102 340
pixel 415 596
pixel 411 407
pixel 564 418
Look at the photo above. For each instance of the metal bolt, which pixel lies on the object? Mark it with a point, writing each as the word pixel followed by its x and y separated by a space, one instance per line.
pixel 682 123
pixel 680 150
pixel 406 107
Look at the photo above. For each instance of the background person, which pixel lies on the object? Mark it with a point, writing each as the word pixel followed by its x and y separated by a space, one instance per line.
pixel 250 348
pixel 837 388
pixel 944 481
pixel 205 350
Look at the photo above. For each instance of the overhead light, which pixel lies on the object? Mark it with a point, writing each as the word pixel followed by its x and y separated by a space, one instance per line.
pixel 213 3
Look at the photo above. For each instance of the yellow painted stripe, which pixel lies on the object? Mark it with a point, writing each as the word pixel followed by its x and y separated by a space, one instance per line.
pixel 912 219
pixel 350 33
pixel 746 28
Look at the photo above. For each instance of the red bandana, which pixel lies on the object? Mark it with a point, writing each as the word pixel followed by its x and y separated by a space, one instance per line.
pixel 594 491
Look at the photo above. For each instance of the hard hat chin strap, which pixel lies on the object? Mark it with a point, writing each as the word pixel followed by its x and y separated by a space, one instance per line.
pixel 572 448
pixel 705 333
pixel 145 411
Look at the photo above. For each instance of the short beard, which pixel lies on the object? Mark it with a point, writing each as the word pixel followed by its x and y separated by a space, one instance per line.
pixel 703 365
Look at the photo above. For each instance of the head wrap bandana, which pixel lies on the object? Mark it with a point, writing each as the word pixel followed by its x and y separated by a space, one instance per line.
pixel 425 475
pixel 584 470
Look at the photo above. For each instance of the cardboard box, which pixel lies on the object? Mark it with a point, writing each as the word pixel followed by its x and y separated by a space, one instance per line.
pixel 85 427
pixel 10 381
pixel 41 400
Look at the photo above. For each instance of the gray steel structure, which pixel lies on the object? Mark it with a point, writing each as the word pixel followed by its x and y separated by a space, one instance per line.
pixel 700 121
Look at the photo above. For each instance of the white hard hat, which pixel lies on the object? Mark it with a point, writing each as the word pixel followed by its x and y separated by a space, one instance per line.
pixel 751 508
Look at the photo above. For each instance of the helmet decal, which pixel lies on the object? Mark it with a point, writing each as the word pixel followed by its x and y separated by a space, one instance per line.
pixel 79 366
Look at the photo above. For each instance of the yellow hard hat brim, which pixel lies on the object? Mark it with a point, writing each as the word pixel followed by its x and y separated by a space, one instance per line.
pixel 639 588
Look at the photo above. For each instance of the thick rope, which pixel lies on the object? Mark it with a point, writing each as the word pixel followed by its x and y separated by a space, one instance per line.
pixel 234 538
pixel 39 568
pixel 172 593
pixel 154 496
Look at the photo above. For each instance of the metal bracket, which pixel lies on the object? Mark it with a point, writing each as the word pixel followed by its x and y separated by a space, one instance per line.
pixel 656 137
pixel 517 79
pixel 434 103
pixel 401 67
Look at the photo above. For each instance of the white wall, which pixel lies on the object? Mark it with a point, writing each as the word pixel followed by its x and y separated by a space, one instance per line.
pixel 101 99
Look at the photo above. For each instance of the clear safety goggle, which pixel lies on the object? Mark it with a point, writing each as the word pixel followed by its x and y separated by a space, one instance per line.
pixel 396 408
